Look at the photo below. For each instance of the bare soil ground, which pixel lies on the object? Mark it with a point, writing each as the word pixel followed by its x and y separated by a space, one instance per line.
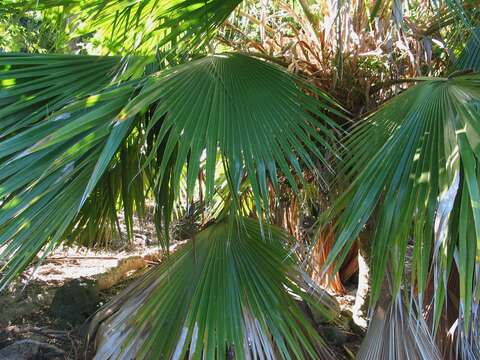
pixel 25 307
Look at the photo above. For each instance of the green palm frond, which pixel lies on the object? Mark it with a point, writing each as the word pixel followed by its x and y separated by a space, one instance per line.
pixel 143 26
pixel 122 188
pixel 55 145
pixel 414 167
pixel 256 115
pixel 470 56
pixel 226 294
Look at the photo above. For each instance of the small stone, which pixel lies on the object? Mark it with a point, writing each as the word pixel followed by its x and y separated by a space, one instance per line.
pixel 75 301
pixel 332 335
pixel 5 339
pixel 31 349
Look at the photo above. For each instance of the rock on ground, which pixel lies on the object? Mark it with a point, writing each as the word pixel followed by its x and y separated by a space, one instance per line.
pixel 31 350
pixel 75 301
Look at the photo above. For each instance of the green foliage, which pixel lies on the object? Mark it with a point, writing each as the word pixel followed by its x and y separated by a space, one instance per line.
pixel 50 166
pixel 122 188
pixel 56 134
pixel 470 56
pixel 32 32
pixel 413 166
pixel 228 291
pixel 141 27
pixel 82 137
pixel 253 113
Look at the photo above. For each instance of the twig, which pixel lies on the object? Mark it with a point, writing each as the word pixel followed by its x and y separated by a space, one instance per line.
pixel 67 258
pixel 389 83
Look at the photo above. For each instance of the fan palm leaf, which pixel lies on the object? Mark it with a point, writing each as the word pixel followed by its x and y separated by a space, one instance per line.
pixel 414 166
pixel 254 114
pixel 225 293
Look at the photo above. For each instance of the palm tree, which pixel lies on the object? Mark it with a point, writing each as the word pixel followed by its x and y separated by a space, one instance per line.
pixel 160 101
pixel 414 173
pixel 67 124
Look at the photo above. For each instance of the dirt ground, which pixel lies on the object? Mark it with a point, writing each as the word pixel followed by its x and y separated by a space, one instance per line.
pixel 25 307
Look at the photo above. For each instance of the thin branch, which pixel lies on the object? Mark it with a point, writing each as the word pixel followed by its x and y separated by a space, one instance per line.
pixel 391 82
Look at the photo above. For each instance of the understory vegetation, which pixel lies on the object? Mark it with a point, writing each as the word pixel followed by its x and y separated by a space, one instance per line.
pixel 297 149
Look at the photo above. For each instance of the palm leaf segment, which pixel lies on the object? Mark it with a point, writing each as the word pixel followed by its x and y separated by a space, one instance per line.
pixel 216 297
pixel 420 181
pixel 470 56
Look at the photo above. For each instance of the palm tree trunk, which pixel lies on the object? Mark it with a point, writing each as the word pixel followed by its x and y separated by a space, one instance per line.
pixel 360 308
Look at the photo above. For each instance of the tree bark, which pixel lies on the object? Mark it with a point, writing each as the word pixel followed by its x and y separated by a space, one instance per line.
pixel 360 308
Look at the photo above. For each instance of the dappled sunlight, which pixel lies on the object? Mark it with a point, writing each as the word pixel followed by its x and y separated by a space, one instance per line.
pixel 229 179
pixel 6 83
